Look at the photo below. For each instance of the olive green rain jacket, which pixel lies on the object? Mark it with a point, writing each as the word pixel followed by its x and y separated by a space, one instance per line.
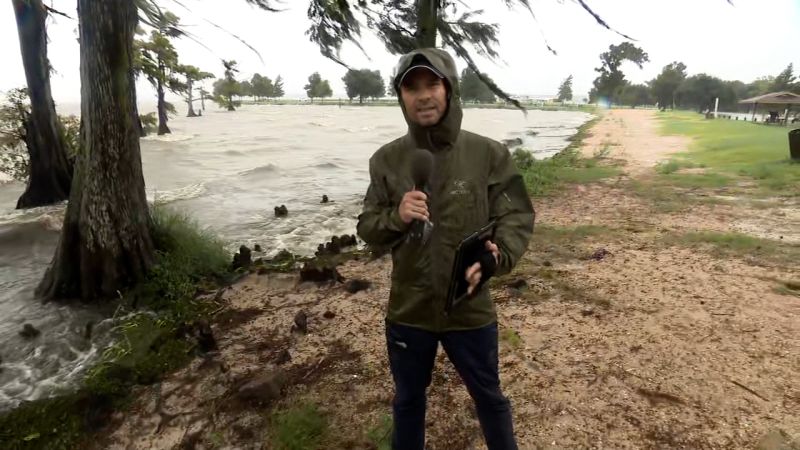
pixel 474 181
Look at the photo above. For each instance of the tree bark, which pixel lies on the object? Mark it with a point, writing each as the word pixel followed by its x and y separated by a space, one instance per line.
pixel 230 104
pixel 190 99
pixel 162 109
pixel 428 13
pixel 105 243
pixel 50 169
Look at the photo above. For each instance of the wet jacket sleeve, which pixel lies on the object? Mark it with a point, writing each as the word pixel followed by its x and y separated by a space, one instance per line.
pixel 379 223
pixel 510 206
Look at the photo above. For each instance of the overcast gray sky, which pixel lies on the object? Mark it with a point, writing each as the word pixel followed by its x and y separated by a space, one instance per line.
pixel 743 42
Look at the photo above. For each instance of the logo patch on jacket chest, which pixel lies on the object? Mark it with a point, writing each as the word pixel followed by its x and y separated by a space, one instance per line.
pixel 460 188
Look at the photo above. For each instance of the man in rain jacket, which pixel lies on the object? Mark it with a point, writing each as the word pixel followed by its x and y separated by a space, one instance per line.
pixel 474 181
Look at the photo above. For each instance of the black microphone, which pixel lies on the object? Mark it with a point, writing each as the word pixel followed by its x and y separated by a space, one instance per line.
pixel 421 169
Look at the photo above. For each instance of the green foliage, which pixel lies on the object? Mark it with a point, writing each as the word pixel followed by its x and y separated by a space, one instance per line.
pixel 611 80
pixel 559 233
pixel 473 89
pixel 523 159
pixel 380 436
pixel 317 87
pixel 668 167
pixel 739 245
pixel 300 427
pixel 666 84
pixel 674 165
pixel 511 337
pixel 785 81
pixel 227 88
pixel 246 89
pixel 737 148
pixel 14 112
pixel 193 73
pixel 149 122
pixel 277 88
pixel 146 347
pixel 70 129
pixel 186 254
pixel 696 181
pixel 701 91
pixel 544 176
pixel 157 58
pixel 261 86
pixel 363 84
pixel 50 424
pixel 634 95
pixel 565 90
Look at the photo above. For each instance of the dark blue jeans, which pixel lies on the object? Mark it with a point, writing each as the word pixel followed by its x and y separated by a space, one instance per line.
pixel 412 352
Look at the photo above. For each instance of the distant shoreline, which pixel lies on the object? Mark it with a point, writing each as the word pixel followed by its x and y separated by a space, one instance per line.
pixel 393 102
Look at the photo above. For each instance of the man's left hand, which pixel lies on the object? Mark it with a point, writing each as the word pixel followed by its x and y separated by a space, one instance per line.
pixel 473 275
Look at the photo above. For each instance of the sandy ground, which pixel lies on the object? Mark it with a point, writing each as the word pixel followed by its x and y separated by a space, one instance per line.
pixel 631 136
pixel 644 345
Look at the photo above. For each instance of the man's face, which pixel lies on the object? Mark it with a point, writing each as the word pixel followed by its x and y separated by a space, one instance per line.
pixel 424 96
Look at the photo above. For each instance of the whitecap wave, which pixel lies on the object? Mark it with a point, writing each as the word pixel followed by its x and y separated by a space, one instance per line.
pixel 168 137
pixel 183 193
pixel 50 216
pixel 259 170
pixel 327 165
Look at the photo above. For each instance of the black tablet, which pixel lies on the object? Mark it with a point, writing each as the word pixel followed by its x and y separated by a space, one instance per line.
pixel 467 254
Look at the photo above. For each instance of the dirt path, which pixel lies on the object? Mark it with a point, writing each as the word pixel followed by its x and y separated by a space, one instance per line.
pixel 631 135
pixel 619 340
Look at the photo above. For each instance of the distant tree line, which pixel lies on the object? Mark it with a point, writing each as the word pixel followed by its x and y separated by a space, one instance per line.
pixel 228 90
pixel 674 88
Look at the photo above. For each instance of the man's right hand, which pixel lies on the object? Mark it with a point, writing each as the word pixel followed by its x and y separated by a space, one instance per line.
pixel 414 206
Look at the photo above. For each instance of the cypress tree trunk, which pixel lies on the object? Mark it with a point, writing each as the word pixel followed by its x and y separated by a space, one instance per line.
pixel 230 103
pixel 105 243
pixel 50 169
pixel 190 100
pixel 162 109
pixel 427 15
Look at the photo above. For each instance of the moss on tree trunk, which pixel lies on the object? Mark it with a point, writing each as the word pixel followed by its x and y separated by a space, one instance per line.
pixel 50 176
pixel 105 243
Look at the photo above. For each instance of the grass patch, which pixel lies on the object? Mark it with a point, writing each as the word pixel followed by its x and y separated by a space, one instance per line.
pixel 151 340
pixel 559 243
pixel 662 198
pixel 567 167
pixel 300 427
pixel 510 337
pixel 695 181
pixel 380 436
pixel 553 232
pixel 738 148
pixel 672 193
pixel 789 288
pixel 739 245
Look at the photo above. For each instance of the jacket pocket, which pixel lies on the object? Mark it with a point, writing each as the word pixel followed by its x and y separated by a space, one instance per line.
pixel 410 262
